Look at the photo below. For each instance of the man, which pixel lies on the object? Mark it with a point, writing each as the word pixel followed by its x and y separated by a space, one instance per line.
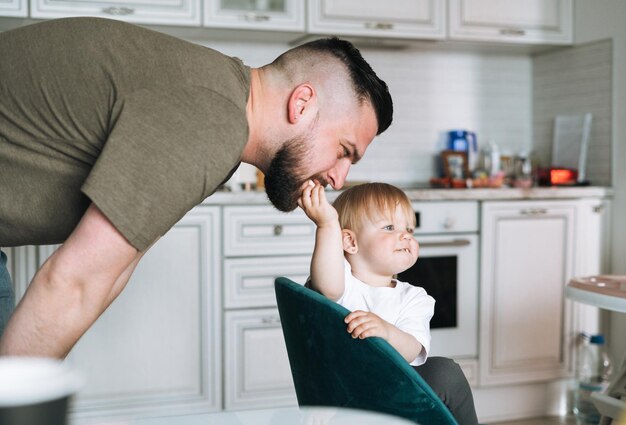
pixel 110 133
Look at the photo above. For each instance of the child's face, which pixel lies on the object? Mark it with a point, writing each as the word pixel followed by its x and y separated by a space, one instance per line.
pixel 386 244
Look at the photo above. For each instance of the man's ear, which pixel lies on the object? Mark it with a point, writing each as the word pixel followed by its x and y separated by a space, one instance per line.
pixel 302 98
pixel 348 238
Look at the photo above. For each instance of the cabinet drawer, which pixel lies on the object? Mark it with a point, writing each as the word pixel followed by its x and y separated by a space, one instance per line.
pixel 262 230
pixel 257 372
pixel 249 282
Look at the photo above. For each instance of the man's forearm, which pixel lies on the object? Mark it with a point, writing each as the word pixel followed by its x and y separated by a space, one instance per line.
pixel 53 315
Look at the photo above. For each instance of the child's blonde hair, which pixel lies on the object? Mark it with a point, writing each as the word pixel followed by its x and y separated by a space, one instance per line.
pixel 374 200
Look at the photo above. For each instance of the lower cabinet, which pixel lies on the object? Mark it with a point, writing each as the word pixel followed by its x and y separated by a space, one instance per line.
pixel 530 250
pixel 256 366
pixel 156 350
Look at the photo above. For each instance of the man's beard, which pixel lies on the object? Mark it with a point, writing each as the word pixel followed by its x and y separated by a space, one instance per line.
pixel 284 178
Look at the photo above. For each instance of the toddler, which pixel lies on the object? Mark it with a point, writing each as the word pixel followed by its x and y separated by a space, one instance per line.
pixel 362 241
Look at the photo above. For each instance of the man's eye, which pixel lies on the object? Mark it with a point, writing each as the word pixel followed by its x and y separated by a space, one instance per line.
pixel 346 152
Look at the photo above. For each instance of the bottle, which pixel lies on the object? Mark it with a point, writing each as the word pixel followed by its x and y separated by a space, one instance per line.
pixel 592 375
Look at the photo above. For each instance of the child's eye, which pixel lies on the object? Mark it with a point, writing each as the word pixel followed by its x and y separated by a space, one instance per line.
pixel 388 227
pixel 409 230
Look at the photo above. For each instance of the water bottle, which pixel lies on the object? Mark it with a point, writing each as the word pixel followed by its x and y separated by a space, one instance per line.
pixel 592 374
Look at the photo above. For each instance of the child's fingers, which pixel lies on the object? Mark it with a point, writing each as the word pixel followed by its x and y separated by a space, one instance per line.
pixel 353 315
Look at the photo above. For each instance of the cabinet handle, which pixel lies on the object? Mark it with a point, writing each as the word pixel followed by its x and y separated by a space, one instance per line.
pixel 598 209
pixel 379 25
pixel 118 11
pixel 271 320
pixel 512 31
pixel 455 242
pixel 278 230
pixel 534 211
pixel 255 17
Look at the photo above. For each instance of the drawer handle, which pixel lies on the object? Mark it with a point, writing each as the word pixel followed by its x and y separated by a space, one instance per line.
pixel 534 211
pixel 512 31
pixel 598 209
pixel 278 230
pixel 118 11
pixel 255 17
pixel 272 320
pixel 379 25
pixel 455 242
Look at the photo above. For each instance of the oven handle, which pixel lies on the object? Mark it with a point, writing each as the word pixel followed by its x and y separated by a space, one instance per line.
pixel 454 242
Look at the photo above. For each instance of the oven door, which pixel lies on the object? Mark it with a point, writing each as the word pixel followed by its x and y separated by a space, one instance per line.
pixel 447 268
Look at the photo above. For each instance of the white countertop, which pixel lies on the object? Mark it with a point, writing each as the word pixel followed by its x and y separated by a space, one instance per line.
pixel 427 194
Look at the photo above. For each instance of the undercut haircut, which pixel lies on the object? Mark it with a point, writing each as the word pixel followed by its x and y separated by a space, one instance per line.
pixel 364 81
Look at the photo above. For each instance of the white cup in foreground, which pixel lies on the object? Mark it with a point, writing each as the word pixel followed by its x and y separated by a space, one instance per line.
pixel 35 391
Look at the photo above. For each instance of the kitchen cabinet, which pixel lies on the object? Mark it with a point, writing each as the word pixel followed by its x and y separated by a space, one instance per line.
pixel 163 12
pixel 257 369
pixel 530 250
pixel 156 349
pixel 512 21
pixel 14 8
pixel 275 15
pixel 260 244
pixel 410 19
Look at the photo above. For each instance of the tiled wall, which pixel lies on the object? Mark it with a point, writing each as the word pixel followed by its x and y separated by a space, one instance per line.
pixel 574 81
pixel 434 90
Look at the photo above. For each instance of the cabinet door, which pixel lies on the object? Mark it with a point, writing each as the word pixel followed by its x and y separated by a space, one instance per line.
pixel 156 348
pixel 274 15
pixel 162 12
pixel 14 8
pixel 262 230
pixel 257 372
pixel 593 238
pixel 249 282
pixel 512 21
pixel 393 18
pixel 527 258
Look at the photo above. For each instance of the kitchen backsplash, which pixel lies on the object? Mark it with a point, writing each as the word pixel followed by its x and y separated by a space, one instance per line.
pixel 437 89
pixel 574 81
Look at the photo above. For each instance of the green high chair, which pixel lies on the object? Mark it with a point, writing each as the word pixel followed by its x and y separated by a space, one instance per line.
pixel 330 368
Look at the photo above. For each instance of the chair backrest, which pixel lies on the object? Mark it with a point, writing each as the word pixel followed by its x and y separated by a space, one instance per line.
pixel 330 368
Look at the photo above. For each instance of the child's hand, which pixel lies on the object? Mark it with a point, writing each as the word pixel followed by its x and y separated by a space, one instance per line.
pixel 316 207
pixel 363 324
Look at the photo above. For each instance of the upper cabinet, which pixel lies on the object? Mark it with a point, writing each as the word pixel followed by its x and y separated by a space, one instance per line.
pixel 275 15
pixel 162 12
pixel 411 19
pixel 14 8
pixel 512 21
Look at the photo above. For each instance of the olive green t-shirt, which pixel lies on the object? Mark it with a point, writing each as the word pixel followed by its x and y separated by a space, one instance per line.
pixel 142 124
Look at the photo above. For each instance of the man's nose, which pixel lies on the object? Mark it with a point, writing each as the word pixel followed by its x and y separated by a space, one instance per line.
pixel 337 176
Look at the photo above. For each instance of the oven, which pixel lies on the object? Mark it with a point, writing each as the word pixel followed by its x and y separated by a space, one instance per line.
pixel 447 268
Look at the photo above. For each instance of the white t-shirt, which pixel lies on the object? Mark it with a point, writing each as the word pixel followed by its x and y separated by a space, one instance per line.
pixel 407 307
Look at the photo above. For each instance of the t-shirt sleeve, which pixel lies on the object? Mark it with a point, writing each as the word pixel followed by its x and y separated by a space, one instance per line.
pixel 414 318
pixel 165 153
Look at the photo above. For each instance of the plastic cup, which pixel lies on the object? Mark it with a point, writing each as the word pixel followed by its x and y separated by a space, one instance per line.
pixel 35 391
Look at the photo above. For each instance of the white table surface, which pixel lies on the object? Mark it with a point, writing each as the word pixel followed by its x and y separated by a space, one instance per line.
pixel 278 416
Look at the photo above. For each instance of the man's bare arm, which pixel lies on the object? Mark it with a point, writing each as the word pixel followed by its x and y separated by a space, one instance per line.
pixel 71 289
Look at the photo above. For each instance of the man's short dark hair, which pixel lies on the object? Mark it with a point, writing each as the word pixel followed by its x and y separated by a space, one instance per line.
pixel 365 82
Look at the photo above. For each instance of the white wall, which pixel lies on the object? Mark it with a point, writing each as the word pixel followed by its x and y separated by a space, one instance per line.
pixel 434 90
pixel 597 20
